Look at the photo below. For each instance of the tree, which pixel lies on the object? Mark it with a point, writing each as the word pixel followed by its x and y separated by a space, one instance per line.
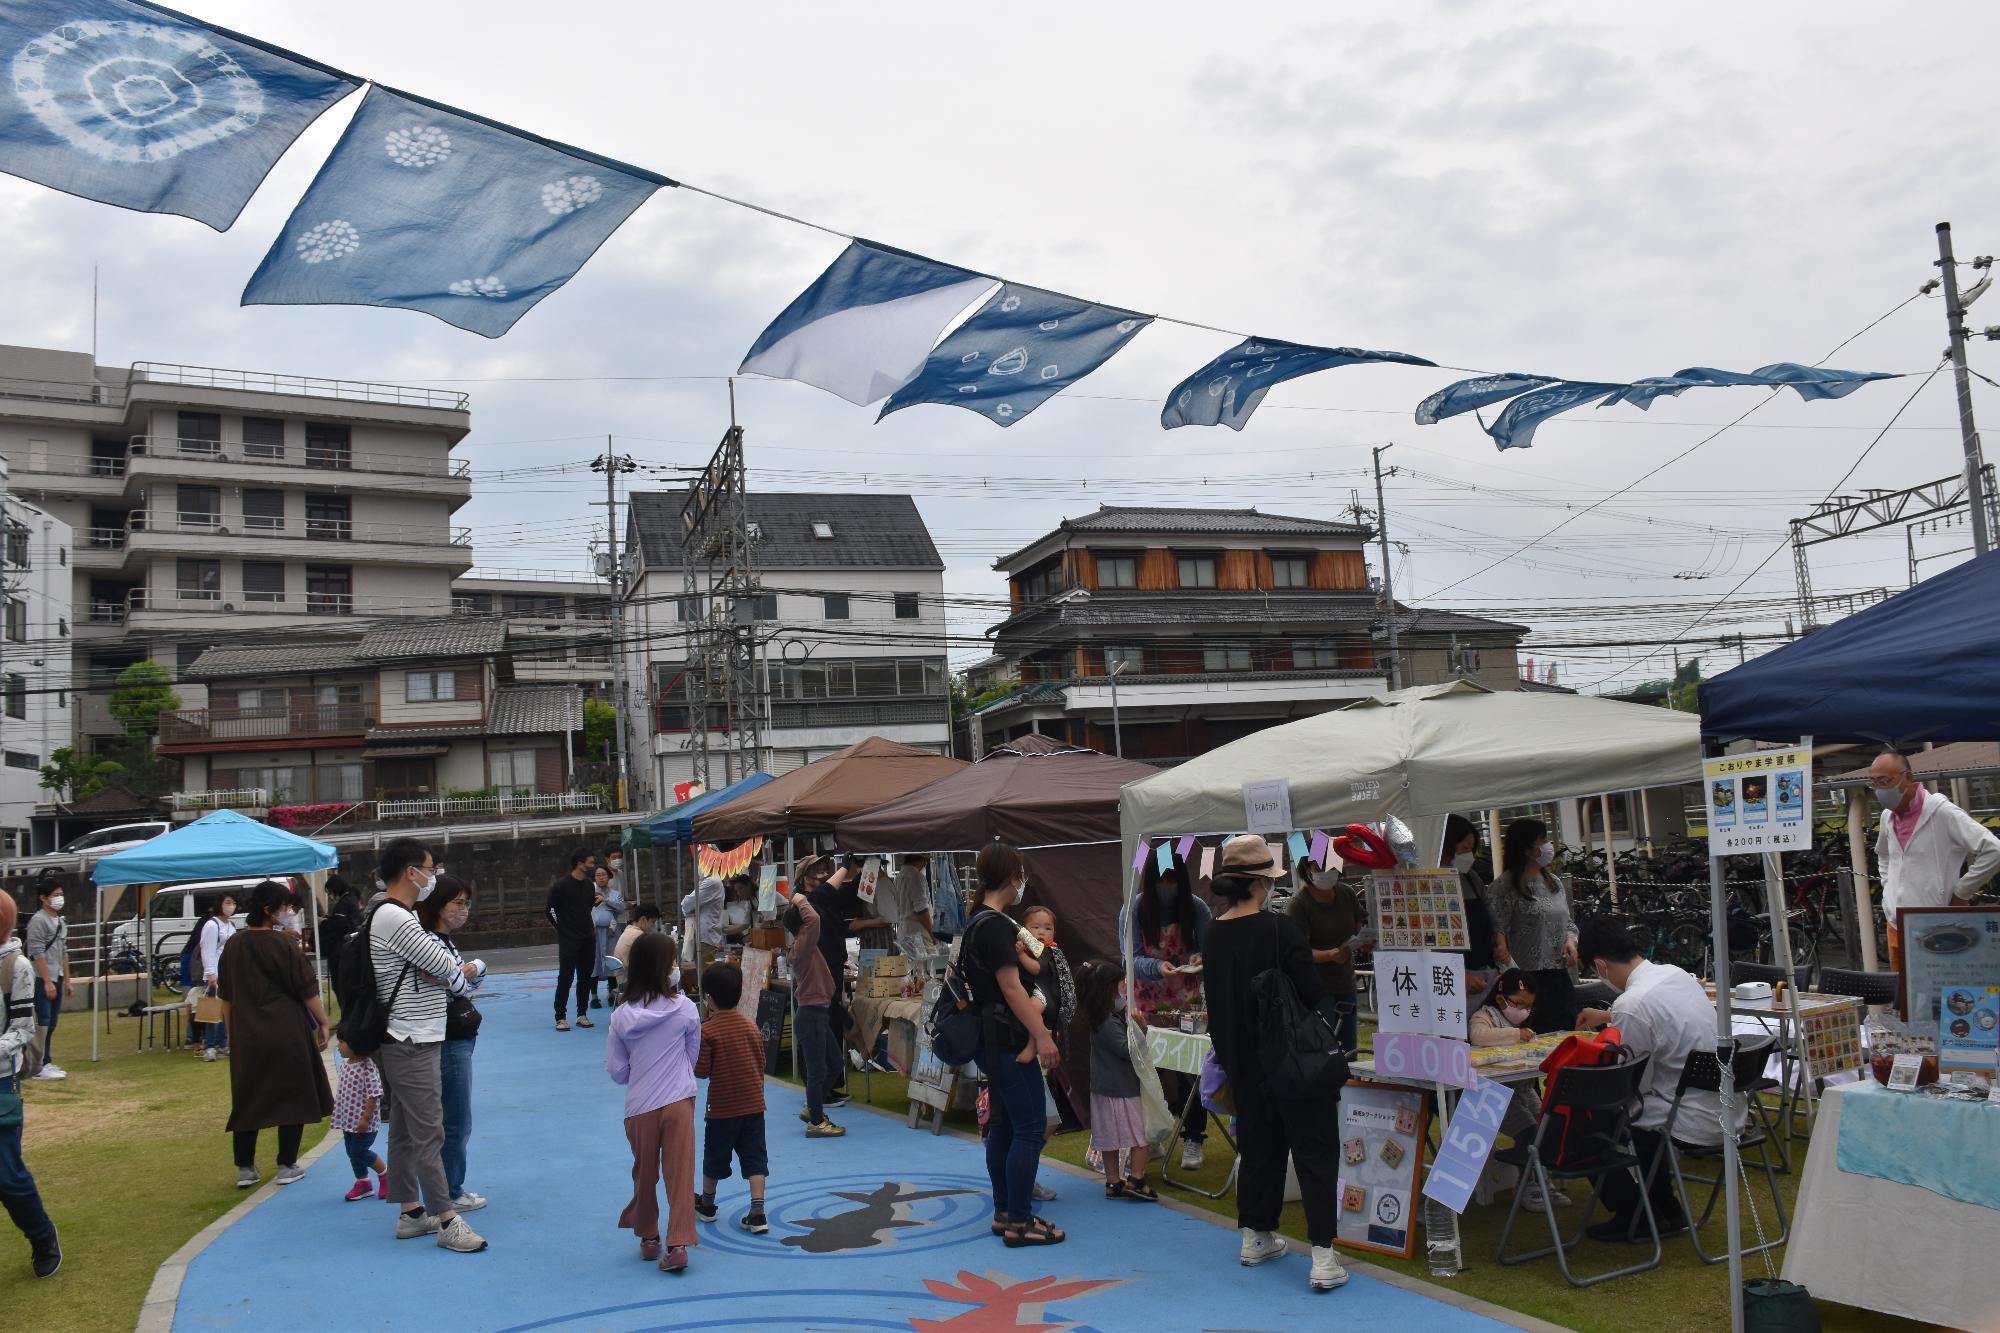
pixel 142 692
pixel 1683 694
pixel 600 728
pixel 68 771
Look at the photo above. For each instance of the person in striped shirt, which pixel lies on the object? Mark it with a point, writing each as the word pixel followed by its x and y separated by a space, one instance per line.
pixel 732 1060
pixel 414 974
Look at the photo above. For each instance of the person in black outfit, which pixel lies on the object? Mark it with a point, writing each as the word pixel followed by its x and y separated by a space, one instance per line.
pixel 1243 942
pixel 837 899
pixel 343 918
pixel 570 899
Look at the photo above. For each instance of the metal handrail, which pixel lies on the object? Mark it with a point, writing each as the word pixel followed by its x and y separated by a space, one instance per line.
pixel 321 460
pixel 300 386
pixel 189 725
pixel 316 529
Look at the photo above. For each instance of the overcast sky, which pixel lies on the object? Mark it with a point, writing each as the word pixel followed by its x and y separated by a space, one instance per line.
pixel 1568 189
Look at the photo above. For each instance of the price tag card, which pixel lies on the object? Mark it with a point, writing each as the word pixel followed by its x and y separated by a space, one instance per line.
pixel 1462 1156
pixel 1413 1055
pixel 1904 1072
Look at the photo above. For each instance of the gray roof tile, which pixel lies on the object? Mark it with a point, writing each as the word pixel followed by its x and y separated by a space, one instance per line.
pixel 1194 521
pixel 277 659
pixel 461 636
pixel 1114 608
pixel 870 531
pixel 525 710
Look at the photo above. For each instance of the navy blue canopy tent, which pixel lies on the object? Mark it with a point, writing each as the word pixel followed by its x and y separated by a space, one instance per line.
pixel 677 824
pixel 1922 666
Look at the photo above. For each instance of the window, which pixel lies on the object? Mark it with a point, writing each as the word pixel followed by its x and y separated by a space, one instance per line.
pixel 762 607
pixel 17 695
pixel 62 627
pixel 1197 571
pixel 1117 571
pixel 329 446
pixel 263 511
pixel 1132 659
pixel 17 620
pixel 198 580
pixel 1225 659
pixel 249 701
pixel 822 532
pixel 20 759
pixel 531 606
pixel 593 608
pixel 263 581
pixel 907 606
pixel 688 609
pixel 836 606
pixel 423 687
pixel 200 433
pixel 197 506
pixel 1044 580
pixel 874 678
pixel 513 771
pixel 910 676
pixel 330 589
pixel 285 784
pixel 338 782
pixel 593 650
pixel 329 518
pixel 263 437
pixel 1289 571
pixel 1310 656
pixel 17 545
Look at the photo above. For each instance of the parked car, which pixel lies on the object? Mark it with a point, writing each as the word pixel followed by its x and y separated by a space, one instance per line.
pixel 104 841
pixel 174 911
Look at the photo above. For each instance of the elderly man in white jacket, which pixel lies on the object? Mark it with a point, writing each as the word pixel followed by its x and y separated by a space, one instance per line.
pixel 1930 851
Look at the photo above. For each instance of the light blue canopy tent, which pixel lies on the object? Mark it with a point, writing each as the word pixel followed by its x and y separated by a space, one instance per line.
pixel 222 845
pixel 677 824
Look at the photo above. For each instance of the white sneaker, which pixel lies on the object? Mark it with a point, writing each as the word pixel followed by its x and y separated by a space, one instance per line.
pixel 1191 1155
pixel 56 1069
pixel 1532 1200
pixel 1327 1272
pixel 48 1074
pixel 409 1228
pixel 1259 1246
pixel 458 1235
pixel 468 1202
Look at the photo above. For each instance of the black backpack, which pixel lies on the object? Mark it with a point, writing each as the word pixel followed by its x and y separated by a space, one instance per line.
pixel 1297 1048
pixel 364 1014
pixel 955 1026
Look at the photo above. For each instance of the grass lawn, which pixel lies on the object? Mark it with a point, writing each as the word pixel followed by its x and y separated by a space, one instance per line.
pixel 1681 1294
pixel 132 1160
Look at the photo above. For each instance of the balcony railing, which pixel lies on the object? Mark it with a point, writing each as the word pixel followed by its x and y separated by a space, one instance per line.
pixel 209 522
pixel 314 458
pixel 106 613
pixel 104 539
pixel 190 726
pixel 233 798
pixel 68 465
pixel 298 386
pixel 463 807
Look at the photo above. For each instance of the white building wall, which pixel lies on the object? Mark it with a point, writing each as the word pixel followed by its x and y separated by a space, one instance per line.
pixel 35 665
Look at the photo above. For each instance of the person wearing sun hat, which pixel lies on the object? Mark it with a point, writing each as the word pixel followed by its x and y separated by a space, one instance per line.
pixel 1242 942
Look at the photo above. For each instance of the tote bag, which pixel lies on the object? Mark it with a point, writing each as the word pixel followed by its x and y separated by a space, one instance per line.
pixel 1152 1098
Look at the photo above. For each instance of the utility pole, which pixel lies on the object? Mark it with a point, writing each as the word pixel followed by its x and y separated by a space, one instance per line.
pixel 1388 591
pixel 1954 313
pixel 611 465
pixel 1117 733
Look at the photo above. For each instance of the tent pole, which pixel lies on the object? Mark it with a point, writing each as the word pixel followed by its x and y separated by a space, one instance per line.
pixel 1863 905
pixel 1610 853
pixel 97 982
pixel 1493 840
pixel 1725 1050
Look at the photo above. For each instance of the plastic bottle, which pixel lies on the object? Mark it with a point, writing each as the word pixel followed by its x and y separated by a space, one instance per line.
pixel 1441 1240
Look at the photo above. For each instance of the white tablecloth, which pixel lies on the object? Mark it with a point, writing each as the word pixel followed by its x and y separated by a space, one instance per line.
pixel 1885 1246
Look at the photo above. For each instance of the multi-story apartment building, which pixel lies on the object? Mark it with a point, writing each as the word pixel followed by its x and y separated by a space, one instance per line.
pixel 850 627
pixel 35 583
pixel 1216 623
pixel 213 503
pixel 407 711
pixel 558 624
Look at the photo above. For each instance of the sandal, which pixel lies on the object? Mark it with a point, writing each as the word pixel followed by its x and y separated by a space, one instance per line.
pixel 999 1225
pixel 1114 1189
pixel 1035 1231
pixel 1137 1188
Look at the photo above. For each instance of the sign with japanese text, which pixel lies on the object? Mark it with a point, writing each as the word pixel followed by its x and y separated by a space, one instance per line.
pixel 1944 947
pixel 1759 802
pixel 1419 909
pixel 1267 806
pixel 1382 1137
pixel 1468 1141
pixel 1421 992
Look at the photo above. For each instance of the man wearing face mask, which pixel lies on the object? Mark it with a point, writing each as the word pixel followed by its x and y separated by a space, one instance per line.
pixel 1924 846
pixel 48 953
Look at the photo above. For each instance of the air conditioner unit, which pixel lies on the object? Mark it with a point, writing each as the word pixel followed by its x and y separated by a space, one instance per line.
pixel 229 606
pixel 221 531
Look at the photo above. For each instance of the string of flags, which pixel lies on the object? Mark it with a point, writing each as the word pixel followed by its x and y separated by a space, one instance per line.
pixel 425 207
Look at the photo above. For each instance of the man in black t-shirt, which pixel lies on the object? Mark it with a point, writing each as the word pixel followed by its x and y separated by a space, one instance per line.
pixel 837 899
pixel 570 900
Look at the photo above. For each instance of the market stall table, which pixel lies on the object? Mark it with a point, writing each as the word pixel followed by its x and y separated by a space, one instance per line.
pixel 1183 1053
pixel 1883 1245
pixel 897 1015
pixel 1768 1016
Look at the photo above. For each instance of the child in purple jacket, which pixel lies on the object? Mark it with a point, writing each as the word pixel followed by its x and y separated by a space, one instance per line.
pixel 651 1049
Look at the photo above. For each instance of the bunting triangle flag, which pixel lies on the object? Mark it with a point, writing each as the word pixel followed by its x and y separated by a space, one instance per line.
pixel 864 327
pixel 1016 352
pixel 1227 390
pixel 426 208
pixel 141 107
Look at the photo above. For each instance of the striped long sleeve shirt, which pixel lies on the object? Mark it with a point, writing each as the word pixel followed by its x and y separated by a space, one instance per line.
pixel 732 1060
pixel 403 950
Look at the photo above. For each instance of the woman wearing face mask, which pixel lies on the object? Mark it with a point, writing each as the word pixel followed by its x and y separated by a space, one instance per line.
pixel 211 936
pixel 1168 925
pixel 1533 928
pixel 443 912
pixel 270 1005
pixel 607 905
pixel 1461 853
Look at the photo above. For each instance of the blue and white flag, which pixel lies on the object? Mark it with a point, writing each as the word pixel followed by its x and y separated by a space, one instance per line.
pixel 426 208
pixel 1514 428
pixel 138 106
pixel 1016 352
pixel 1227 390
pixel 1812 383
pixel 864 327
pixel 1473 394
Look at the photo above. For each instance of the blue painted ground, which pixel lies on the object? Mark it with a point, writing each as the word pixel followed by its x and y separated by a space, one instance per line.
pixel 549 1151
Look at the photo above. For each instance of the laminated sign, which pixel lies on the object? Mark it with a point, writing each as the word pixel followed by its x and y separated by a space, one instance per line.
pixel 1759 802
pixel 1267 806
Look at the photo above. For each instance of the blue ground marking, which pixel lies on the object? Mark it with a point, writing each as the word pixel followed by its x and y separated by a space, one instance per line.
pixel 549 1151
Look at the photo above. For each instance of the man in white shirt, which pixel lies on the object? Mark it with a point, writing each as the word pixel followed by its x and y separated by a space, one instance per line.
pixel 1663 1013
pixel 903 903
pixel 1924 846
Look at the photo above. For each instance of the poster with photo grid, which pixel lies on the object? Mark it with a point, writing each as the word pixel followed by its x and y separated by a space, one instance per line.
pixel 1419 909
pixel 1833 1042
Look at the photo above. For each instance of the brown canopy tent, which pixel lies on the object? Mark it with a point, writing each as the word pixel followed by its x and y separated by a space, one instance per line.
pixel 810 799
pixel 1057 802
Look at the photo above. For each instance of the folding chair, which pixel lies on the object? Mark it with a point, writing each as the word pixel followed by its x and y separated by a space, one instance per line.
pixel 1703 1073
pixel 1869 987
pixel 1609 1094
pixel 1769 972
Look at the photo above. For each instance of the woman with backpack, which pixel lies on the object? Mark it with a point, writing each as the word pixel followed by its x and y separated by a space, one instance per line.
pixel 211 934
pixel 270 1004
pixel 1244 943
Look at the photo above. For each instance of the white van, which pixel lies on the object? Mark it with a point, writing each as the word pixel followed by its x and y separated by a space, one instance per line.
pixel 104 841
pixel 177 908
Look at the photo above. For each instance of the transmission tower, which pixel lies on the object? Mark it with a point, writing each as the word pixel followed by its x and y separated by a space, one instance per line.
pixel 719 611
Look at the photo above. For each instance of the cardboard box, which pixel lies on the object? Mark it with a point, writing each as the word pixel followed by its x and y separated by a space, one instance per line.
pixel 893 965
pixel 767 937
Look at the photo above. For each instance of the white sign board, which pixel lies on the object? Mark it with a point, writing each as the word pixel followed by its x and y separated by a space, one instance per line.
pixel 871 873
pixel 1267 806
pixel 1759 802
pixel 1421 992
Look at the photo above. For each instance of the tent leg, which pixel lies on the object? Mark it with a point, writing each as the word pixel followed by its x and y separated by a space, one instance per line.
pixel 1863 905
pixel 1725 1050
pixel 97 981
pixel 1610 852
